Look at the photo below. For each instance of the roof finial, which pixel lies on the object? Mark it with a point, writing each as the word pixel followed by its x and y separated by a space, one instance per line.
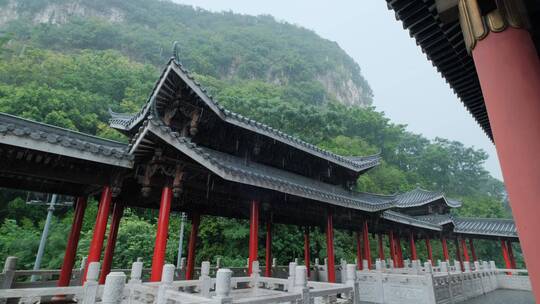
pixel 176 52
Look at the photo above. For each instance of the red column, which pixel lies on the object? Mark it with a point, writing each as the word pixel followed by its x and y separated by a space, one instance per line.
pixel 253 233
pixel 399 252
pixel 458 254
pixel 94 253
pixel 367 247
pixel 195 221
pixel 508 68
pixel 160 246
pixel 465 251
pixel 428 249
pixel 412 244
pixel 446 256
pixel 331 267
pixel 505 254
pixel 393 252
pixel 359 250
pixel 511 254
pixel 72 243
pixel 473 251
pixel 381 247
pixel 118 210
pixel 307 257
pixel 268 268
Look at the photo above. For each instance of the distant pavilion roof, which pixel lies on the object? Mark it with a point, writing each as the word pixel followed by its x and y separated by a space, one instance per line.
pixel 164 90
pixel 485 226
pixel 419 197
pixel 25 133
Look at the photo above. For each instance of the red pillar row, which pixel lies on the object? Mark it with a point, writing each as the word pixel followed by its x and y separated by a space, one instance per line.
pixel 94 253
pixel 158 259
pixel 505 254
pixel 367 247
pixel 195 222
pixel 458 254
pixel 72 243
pixel 381 247
pixel 511 254
pixel 399 251
pixel 473 251
pixel 393 253
pixel 446 255
pixel 359 250
pixel 307 257
pixel 465 251
pixel 268 268
pixel 253 233
pixel 331 267
pixel 118 211
pixel 412 245
pixel 429 250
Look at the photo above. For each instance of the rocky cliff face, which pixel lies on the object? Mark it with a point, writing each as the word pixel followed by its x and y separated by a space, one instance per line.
pixel 338 81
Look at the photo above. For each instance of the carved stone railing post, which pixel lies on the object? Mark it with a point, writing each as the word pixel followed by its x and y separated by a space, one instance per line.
pixel 353 282
pixel 167 277
pixel 365 265
pixel 292 273
pixel 206 280
pixel 223 286
pixel 467 266
pixel 300 283
pixel 114 288
pixel 218 263
pixel 8 272
pixel 136 273
pixel 90 287
pixel 255 274
pixel 343 271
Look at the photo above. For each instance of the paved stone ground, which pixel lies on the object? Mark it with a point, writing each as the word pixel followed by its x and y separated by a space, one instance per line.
pixel 504 296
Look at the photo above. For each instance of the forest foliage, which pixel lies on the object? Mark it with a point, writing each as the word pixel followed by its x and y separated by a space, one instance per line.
pixel 70 74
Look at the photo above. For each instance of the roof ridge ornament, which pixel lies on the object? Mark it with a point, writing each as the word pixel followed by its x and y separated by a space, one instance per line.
pixel 176 52
pixel 476 24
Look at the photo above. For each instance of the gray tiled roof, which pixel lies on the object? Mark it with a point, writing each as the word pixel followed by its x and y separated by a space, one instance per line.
pixel 162 91
pixel 409 220
pixel 419 197
pixel 237 169
pixel 438 219
pixel 485 226
pixel 17 131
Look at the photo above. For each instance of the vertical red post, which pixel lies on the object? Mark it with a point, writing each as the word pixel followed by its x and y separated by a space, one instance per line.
pixel 393 252
pixel 158 259
pixel 190 267
pixel 367 247
pixel 72 243
pixel 508 68
pixel 331 267
pixel 381 247
pixel 94 253
pixel 399 251
pixel 429 250
pixel 458 254
pixel 465 251
pixel 505 254
pixel 118 210
pixel 253 233
pixel 412 244
pixel 359 250
pixel 446 255
pixel 473 251
pixel 307 257
pixel 511 254
pixel 268 268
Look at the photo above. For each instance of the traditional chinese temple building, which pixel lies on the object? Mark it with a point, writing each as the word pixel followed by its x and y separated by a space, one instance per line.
pixel 187 153
pixel 487 50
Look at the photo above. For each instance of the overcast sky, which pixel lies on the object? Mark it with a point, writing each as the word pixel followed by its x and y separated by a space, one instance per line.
pixel 406 86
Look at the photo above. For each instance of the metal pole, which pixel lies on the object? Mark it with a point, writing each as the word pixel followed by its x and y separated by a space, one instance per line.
pixel 181 240
pixel 44 234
